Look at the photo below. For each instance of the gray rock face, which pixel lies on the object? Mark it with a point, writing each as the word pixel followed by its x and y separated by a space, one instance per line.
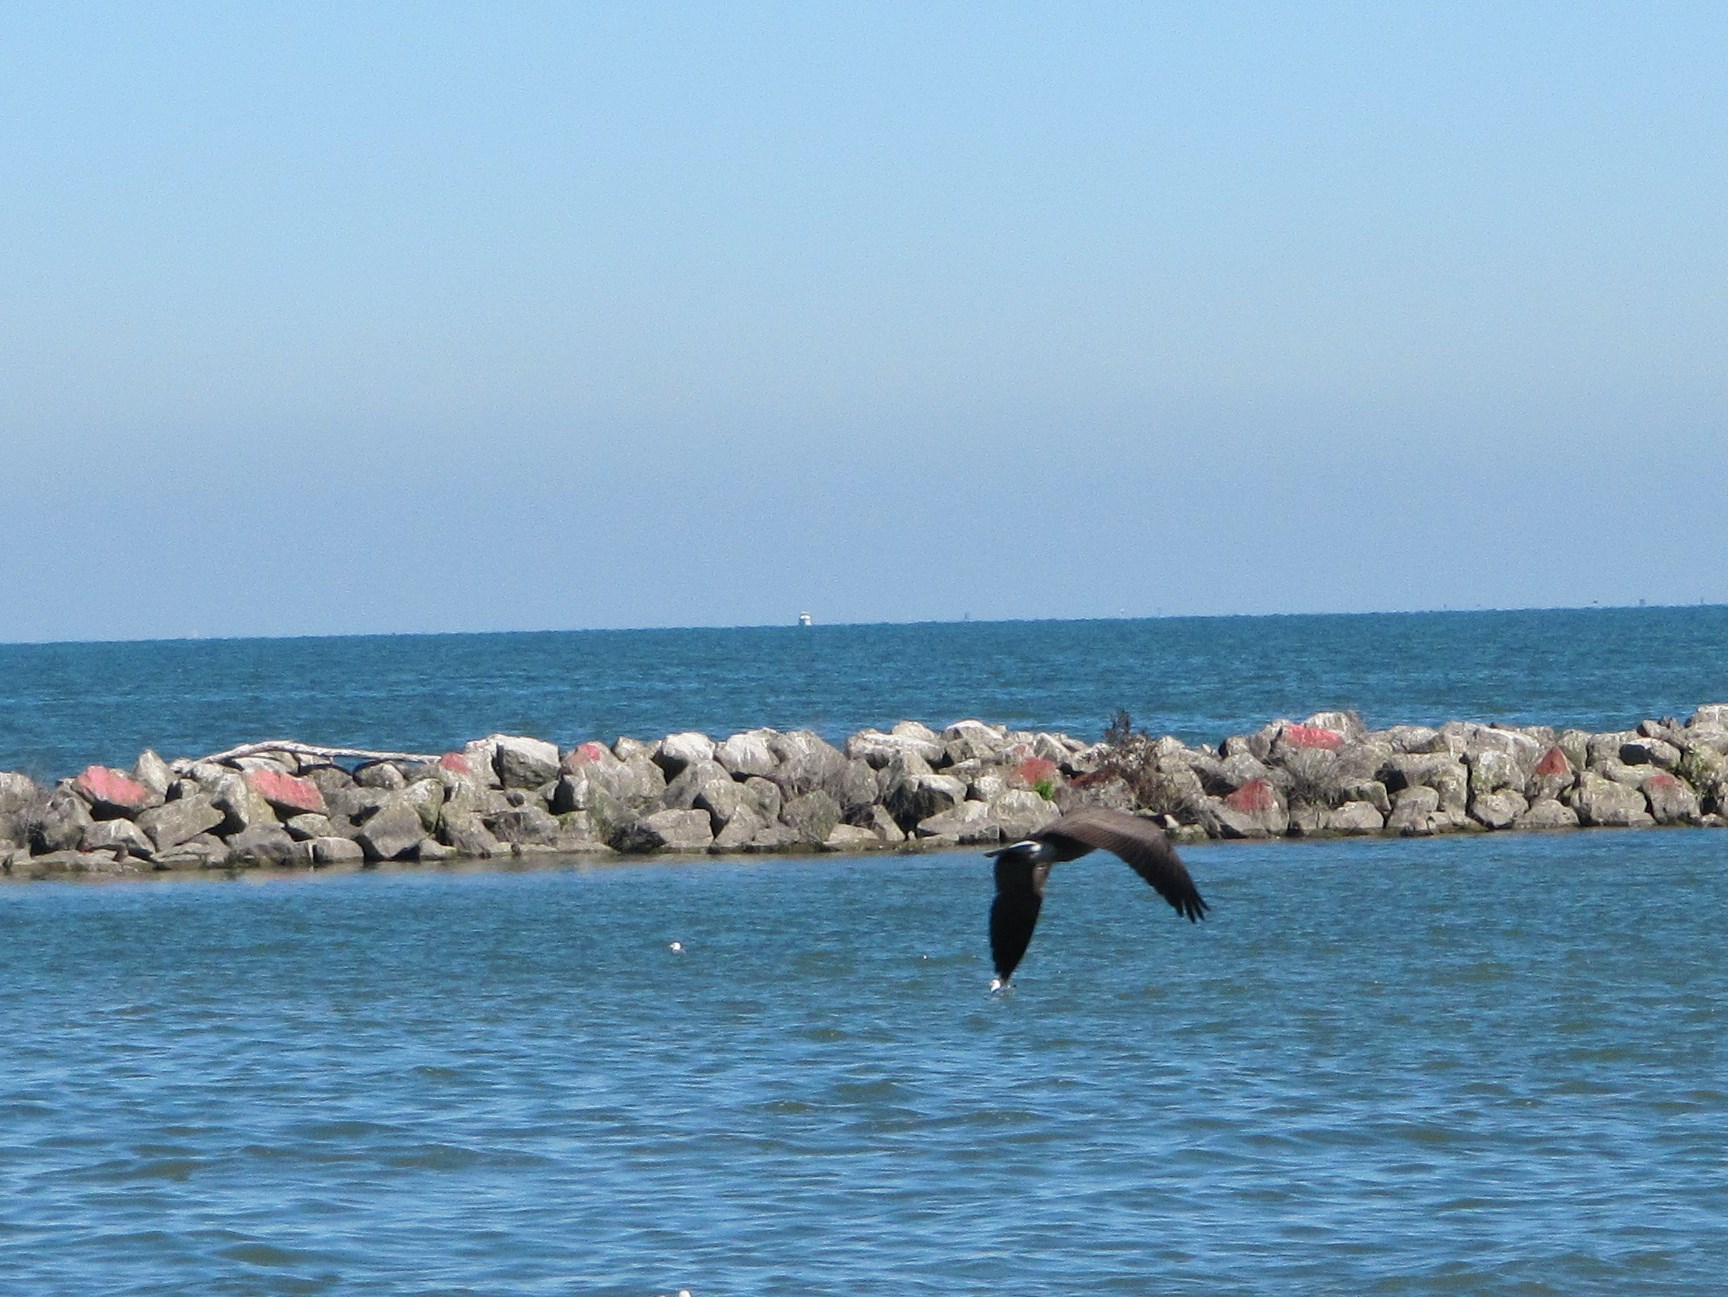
pixel 746 754
pixel 697 776
pixel 1020 811
pixel 266 846
pixel 1413 808
pixel 336 851
pixel 62 822
pixel 1356 818
pixel 1671 801
pixel 677 751
pixel 739 829
pixel 392 831
pixel 524 826
pixel 806 762
pixel 467 834
pixel 1547 813
pixel 812 817
pixel 724 801
pixel 1498 809
pixel 879 749
pixel 524 762
pixel 912 799
pixel 118 835
pixel 179 821
pixel 1601 802
pixel 966 823
pixel 242 806
pixel 666 831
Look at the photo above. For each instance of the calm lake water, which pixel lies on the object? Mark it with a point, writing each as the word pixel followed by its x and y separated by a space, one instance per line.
pixel 1479 1066
pixel 1476 1065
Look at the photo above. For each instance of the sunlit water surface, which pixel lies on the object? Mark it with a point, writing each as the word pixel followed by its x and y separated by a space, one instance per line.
pixel 1474 1066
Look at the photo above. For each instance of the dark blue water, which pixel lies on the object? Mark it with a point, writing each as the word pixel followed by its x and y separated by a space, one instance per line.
pixel 63 706
pixel 1486 1065
pixel 1483 1066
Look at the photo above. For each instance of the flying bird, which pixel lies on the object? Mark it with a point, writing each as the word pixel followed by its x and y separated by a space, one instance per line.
pixel 1022 868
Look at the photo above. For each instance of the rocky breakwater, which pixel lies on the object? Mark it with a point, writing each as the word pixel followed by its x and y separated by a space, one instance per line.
pixel 283 804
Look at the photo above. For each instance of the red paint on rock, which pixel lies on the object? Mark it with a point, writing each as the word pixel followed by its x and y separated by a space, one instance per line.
pixel 586 754
pixel 456 763
pixel 1253 798
pixel 1553 762
pixel 108 786
pixel 287 792
pixel 1313 736
pixel 1036 770
pixel 1663 780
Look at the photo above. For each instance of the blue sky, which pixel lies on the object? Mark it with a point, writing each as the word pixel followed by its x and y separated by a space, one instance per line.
pixel 330 318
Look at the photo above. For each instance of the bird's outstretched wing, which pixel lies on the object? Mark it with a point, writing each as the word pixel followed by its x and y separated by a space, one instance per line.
pixel 1139 842
pixel 1014 912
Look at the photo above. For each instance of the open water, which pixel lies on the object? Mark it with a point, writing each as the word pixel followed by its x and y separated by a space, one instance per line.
pixel 1480 1065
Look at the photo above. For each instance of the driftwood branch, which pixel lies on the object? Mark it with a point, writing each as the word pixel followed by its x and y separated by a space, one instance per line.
pixel 306 750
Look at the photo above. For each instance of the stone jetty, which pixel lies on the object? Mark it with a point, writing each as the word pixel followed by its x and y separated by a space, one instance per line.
pixel 285 804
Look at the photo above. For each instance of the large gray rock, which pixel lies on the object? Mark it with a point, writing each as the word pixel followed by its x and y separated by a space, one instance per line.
pixel 666 831
pixel 746 754
pixel 1498 808
pixel 677 751
pixel 1650 752
pixel 243 806
pixel 1442 772
pixel 1547 813
pixel 1493 769
pixel 964 824
pixel 739 830
pixel 266 846
pixel 973 740
pixel 154 773
pixel 724 801
pixel 812 817
pixel 879 749
pixel 913 798
pixel 384 776
pixel 696 776
pixel 466 833
pixel 857 790
pixel 1710 714
pixel 1356 818
pixel 18 792
pixel 1413 811
pixel 524 826
pixel 336 851
pixel 524 762
pixel 61 823
pixel 1020 811
pixel 118 836
pixel 180 821
pixel 1671 800
pixel 392 831
pixel 1602 802
pixel 806 762
pixel 849 837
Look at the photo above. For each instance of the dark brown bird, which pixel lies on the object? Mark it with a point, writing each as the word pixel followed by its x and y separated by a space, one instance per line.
pixel 1022 868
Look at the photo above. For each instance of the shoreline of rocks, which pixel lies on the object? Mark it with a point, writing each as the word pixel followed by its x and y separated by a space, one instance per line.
pixel 283 804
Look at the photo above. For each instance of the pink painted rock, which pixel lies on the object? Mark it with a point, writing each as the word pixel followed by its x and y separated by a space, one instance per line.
pixel 1256 797
pixel 1554 763
pixel 1312 736
pixel 587 754
pixel 287 794
pixel 109 791
pixel 456 763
